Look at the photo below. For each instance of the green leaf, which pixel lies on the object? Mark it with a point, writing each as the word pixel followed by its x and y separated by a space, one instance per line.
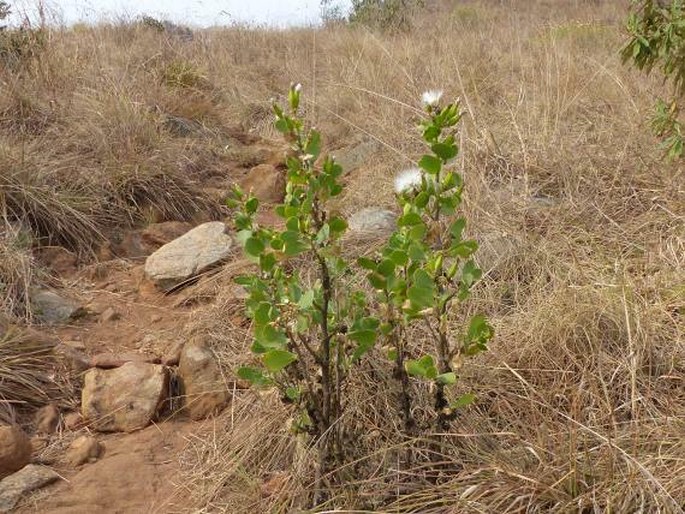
pixel 367 263
pixel 470 273
pixel 314 144
pixel 377 280
pixel 254 246
pixel 409 219
pixel 338 225
pixel 306 300
pixel 421 200
pixel 445 151
pixel 446 378
pixel 423 367
pixel 386 267
pixel 253 375
pixel 422 292
pixel 276 360
pixel 323 233
pixel 430 164
pixel 282 125
pixel 252 205
pixel 399 257
pixel 365 340
pixel 463 401
pixel 267 262
pixel 456 228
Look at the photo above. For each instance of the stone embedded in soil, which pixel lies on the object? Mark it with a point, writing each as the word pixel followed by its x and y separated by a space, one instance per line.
pixel 109 314
pixel 123 399
pixel 196 251
pixel 373 220
pixel 15 449
pixel 73 421
pixel 82 450
pixel 51 308
pixel 47 419
pixel 266 182
pixel 202 384
pixel 116 360
pixel 75 360
pixel 22 482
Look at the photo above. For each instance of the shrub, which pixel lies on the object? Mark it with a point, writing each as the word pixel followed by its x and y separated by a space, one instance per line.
pixel 312 328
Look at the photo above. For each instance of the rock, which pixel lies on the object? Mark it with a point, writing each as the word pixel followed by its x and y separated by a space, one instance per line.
pixel 123 399
pixel 109 314
pixel 173 357
pixel 47 419
pixel 155 318
pixel 15 450
pixel 356 156
pixel 373 220
pixel 202 384
pixel 29 479
pixel 73 421
pixel 194 252
pixel 49 307
pixel 266 182
pixel 116 360
pixel 75 360
pixel 83 449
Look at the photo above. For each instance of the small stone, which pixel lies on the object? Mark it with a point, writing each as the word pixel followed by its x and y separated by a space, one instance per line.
pixel 22 482
pixel 109 314
pixel 47 419
pixel 52 308
pixel 15 450
pixel 173 357
pixel 196 251
pixel 73 421
pixel 123 399
pixel 155 318
pixel 205 392
pixel 84 449
pixel 357 156
pixel 266 182
pixel 373 220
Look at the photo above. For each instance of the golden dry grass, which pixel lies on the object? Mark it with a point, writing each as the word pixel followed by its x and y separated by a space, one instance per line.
pixel 581 400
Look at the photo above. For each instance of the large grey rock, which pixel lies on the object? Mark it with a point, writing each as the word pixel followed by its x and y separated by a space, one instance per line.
pixel 50 307
pixel 192 253
pixel 372 220
pixel 202 384
pixel 15 450
pixel 123 399
pixel 22 482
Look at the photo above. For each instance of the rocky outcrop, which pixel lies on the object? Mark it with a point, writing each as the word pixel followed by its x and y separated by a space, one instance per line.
pixel 205 392
pixel 194 252
pixel 123 399
pixel 15 450
pixel 22 482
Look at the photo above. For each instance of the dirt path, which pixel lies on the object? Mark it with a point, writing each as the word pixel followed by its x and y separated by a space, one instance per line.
pixel 138 472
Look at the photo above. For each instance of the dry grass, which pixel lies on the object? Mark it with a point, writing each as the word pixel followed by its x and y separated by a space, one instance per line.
pixel 581 405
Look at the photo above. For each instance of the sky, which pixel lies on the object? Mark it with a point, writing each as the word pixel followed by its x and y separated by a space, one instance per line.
pixel 191 12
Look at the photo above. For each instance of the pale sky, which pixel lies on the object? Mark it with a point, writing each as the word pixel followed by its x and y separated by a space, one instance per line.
pixel 192 12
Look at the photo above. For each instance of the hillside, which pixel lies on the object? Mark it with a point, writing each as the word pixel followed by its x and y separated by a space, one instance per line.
pixel 117 139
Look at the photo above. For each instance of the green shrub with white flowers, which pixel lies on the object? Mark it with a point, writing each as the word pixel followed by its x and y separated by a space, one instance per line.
pixel 312 330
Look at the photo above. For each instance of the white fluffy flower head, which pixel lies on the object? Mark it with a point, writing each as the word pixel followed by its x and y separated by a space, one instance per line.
pixel 407 180
pixel 297 87
pixel 431 97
